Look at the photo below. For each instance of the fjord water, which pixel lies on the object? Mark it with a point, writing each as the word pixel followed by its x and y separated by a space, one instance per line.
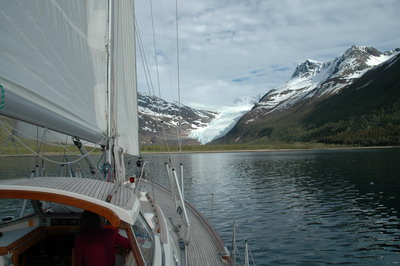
pixel 311 207
pixel 300 207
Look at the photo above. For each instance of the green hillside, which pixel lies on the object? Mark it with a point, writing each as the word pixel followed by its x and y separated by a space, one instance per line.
pixel 366 113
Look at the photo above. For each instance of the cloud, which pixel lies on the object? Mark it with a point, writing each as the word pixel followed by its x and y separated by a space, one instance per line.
pixel 228 48
pixel 240 80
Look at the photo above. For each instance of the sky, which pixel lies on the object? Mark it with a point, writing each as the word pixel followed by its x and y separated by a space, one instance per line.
pixel 230 49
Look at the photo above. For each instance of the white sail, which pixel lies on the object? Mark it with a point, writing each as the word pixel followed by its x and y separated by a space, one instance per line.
pixel 124 76
pixel 53 67
pixel 29 131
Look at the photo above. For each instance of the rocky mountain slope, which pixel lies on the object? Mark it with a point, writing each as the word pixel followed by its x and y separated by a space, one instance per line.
pixel 290 112
pixel 158 118
pixel 313 79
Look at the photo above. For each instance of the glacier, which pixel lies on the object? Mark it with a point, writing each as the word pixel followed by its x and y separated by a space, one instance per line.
pixel 225 120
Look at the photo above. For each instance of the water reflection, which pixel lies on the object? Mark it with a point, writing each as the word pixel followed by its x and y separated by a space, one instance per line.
pixel 305 207
pixel 301 207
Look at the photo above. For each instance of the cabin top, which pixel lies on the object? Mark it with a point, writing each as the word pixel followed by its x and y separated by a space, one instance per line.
pixel 115 202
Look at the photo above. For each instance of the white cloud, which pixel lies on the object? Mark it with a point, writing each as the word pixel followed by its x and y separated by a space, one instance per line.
pixel 238 47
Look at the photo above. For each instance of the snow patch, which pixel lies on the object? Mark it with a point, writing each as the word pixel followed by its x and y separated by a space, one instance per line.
pixel 376 60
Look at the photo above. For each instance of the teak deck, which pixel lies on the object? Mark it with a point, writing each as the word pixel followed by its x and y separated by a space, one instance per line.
pixel 203 241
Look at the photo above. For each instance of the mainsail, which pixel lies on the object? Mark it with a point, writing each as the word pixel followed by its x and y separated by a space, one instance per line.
pixel 54 64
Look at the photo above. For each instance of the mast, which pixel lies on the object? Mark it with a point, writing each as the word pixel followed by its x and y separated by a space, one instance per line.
pixel 109 83
pixel 122 121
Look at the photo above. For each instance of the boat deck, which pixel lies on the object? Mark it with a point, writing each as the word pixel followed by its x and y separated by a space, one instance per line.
pixel 203 241
pixel 204 246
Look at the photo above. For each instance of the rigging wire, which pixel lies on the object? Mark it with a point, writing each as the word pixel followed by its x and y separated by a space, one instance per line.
pixel 149 83
pixel 42 156
pixel 11 139
pixel 178 76
pixel 155 48
pixel 158 77
pixel 37 145
pixel 243 237
pixel 160 125
pixel 150 86
pixel 146 70
pixel 40 146
pixel 13 129
pixel 177 112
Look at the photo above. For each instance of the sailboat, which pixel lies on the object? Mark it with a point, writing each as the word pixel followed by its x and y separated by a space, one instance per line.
pixel 68 75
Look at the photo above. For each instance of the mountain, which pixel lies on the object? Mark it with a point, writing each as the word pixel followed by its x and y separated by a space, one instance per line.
pixel 295 111
pixel 316 79
pixel 197 126
pixel 159 118
pixel 367 112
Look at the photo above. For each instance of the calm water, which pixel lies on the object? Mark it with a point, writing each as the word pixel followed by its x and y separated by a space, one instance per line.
pixel 300 207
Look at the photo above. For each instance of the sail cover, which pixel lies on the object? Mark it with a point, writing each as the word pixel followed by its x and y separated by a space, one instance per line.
pixel 53 67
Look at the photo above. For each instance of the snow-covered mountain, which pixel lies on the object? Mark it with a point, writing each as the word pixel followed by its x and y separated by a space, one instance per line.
pixel 280 114
pixel 159 118
pixel 311 82
pixel 317 79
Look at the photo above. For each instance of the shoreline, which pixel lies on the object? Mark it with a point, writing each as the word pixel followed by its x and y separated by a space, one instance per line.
pixel 277 150
pixel 225 151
